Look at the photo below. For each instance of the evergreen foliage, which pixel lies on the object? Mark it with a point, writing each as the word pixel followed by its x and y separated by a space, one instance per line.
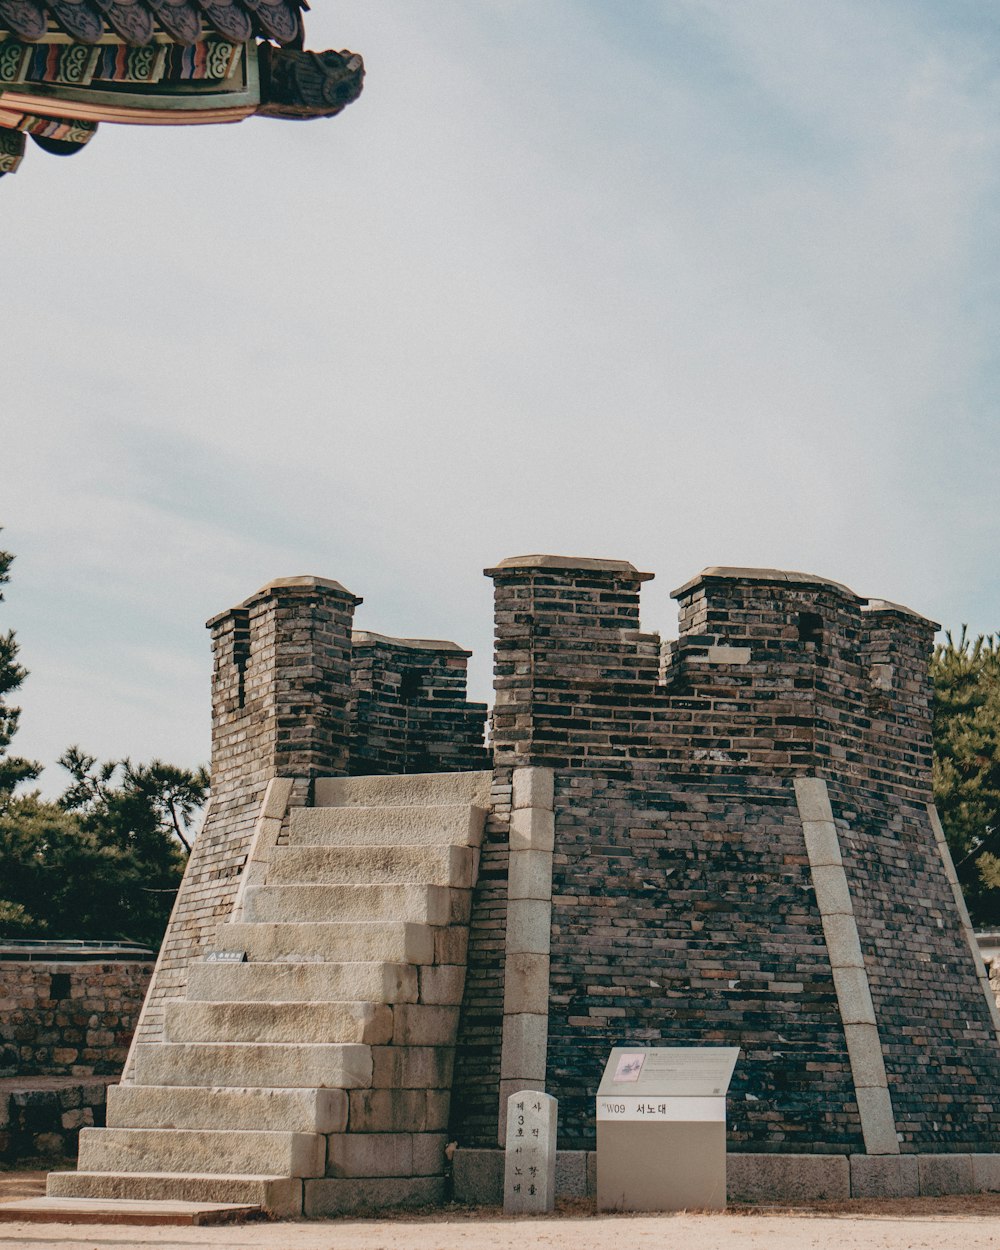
pixel 105 860
pixel 13 769
pixel 966 680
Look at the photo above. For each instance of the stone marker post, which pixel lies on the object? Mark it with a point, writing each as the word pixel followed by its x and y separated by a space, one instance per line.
pixel 530 1164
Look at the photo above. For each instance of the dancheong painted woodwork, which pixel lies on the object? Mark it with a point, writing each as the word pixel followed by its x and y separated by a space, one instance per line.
pixel 66 65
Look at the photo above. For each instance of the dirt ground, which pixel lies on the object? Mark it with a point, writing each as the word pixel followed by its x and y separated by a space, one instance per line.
pixel 966 1223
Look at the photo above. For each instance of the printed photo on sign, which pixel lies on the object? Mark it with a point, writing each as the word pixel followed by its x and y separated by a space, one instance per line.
pixel 629 1067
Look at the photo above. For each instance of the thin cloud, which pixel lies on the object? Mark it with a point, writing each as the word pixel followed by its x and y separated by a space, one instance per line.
pixel 684 283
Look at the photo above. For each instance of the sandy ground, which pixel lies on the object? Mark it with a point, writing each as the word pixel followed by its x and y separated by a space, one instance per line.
pixel 971 1223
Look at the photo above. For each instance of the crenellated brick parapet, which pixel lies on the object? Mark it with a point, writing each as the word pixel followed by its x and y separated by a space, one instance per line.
pixel 896 643
pixel 569 668
pixel 777 673
pixel 767 665
pixel 744 853
pixel 410 710
pixel 727 839
pixel 281 682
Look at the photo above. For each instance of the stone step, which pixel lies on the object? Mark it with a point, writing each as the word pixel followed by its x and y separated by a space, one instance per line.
pixel 241 1151
pixel 268 1065
pixel 122 1211
pixel 398 1110
pixel 409 790
pixel 413 1067
pixel 416 1024
pixel 386 826
pixel 371 1023
pixel 391 941
pixel 386 1154
pixel 192 1107
pixel 342 1196
pixel 278 1195
pixel 368 865
pixel 420 904
pixel 302 983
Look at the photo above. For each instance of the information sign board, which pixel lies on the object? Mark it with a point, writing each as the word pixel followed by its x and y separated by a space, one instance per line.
pixel 670 1071
pixel 661 1128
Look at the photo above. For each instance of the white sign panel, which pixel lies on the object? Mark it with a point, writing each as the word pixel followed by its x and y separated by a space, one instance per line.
pixel 669 1071
pixel 627 1107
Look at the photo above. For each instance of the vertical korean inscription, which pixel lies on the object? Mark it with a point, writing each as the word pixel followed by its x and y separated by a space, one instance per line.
pixel 530 1160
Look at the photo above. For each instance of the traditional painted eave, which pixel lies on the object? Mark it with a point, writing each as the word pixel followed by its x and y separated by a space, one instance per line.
pixel 57 91
pixel 141 22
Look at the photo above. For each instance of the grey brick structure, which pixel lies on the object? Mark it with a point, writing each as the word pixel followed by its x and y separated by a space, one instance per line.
pixel 685 908
pixel 409 708
pixel 727 839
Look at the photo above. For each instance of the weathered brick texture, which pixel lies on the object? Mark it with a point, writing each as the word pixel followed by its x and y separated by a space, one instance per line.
pixel 280 697
pixel 476 1086
pixel 683 914
pixel 938 1040
pixel 683 904
pixel 69 1018
pixel 409 708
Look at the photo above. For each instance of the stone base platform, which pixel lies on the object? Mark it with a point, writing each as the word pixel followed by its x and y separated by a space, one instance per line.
pixel 123 1211
pixel 763 1178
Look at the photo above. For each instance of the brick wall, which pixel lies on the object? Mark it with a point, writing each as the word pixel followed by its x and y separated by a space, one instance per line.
pixel 409 708
pixel 295 695
pixel 476 1086
pixel 68 1018
pixel 683 915
pixel 280 696
pixel 683 906
pixel 938 1040
pixel 683 901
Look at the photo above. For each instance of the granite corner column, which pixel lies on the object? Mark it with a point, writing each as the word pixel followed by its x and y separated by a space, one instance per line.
pixel 850 978
pixel 524 1045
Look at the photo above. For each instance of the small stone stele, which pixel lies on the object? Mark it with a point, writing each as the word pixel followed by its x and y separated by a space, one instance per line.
pixel 530 1163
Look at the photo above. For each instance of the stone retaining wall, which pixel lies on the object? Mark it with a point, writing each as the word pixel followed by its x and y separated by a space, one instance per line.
pixel 72 1018
pixel 41 1118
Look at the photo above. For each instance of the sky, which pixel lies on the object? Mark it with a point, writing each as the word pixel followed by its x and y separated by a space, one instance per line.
pixel 682 282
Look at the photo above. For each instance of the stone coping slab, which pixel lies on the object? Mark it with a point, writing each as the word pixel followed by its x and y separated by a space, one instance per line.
pixel 364 637
pixel 10 1085
pixel 722 572
pixel 886 605
pixel 305 581
pixel 579 564
pixel 788 577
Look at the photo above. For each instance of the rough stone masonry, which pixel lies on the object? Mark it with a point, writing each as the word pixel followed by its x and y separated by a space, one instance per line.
pixel 728 839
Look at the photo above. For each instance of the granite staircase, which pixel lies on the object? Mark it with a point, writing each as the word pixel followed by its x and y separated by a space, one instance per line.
pixel 316 1076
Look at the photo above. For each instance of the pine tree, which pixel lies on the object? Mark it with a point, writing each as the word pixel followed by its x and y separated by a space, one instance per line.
pixel 966 680
pixel 13 769
pixel 103 862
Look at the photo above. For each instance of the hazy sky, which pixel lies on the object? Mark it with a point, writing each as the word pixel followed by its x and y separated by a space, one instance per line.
pixel 684 282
